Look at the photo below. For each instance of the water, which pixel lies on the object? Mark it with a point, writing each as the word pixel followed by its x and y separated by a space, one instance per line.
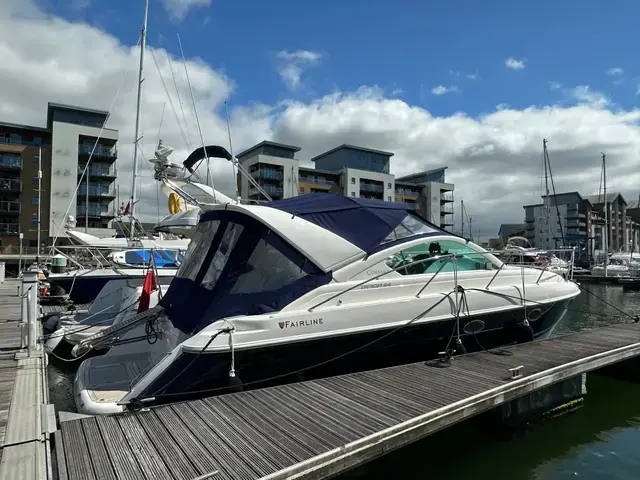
pixel 598 441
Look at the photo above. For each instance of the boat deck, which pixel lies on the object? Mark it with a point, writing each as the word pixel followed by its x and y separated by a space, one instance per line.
pixel 320 428
pixel 23 417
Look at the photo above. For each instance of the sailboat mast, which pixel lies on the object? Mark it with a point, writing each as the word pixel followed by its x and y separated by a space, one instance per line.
pixel 547 210
pixel 462 218
pixel 606 215
pixel 143 42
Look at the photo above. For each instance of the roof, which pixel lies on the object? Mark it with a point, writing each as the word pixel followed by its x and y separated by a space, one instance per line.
pixel 293 148
pixel 363 222
pixel 351 147
pixel 598 199
pixel 51 106
pixel 420 174
pixel 533 205
pixel 633 204
pixel 24 127
pixel 318 170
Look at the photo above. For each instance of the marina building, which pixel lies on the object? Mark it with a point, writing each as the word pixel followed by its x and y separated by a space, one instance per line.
pixel 62 147
pixel 346 170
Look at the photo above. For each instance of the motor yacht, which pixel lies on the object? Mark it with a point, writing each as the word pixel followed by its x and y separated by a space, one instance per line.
pixel 308 287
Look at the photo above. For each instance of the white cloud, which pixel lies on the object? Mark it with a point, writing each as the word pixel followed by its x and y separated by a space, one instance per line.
pixel 80 5
pixel 293 64
pixel 178 9
pixel 584 94
pixel 492 158
pixel 442 90
pixel 468 76
pixel 615 72
pixel 514 64
pixel 555 86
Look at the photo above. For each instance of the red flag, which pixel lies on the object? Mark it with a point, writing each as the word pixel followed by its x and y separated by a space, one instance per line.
pixel 148 286
pixel 127 209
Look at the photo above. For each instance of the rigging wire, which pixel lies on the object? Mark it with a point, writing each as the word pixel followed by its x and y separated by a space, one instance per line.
pixel 184 117
pixel 95 145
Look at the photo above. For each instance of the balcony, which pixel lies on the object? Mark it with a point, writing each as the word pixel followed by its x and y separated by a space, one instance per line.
pixel 9 229
pixel 100 191
pixel 17 140
pixel 9 207
pixel 101 151
pixel 446 210
pixel 406 191
pixel 271 190
pixel 10 161
pixel 99 171
pixel 10 185
pixel 101 211
pixel 267 174
pixel 370 187
pixel 446 196
pixel 317 180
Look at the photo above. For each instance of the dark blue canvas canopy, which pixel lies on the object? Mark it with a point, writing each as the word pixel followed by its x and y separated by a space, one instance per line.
pixel 236 265
pixel 363 222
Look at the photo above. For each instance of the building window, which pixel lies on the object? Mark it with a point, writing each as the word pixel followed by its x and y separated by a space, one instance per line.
pixel 34 201
pixel 353 181
pixel 301 189
pixel 388 199
pixel 389 185
pixel 34 159
pixel 353 194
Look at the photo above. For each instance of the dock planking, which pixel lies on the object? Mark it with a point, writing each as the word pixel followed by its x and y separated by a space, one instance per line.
pixel 320 428
pixel 23 446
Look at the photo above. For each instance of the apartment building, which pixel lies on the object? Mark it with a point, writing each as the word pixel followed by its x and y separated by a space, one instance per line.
pixel 63 147
pixel 574 220
pixel 346 170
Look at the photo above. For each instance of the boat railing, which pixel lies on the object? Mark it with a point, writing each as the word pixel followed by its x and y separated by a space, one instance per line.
pixel 450 257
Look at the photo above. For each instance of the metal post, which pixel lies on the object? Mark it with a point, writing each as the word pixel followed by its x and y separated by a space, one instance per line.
pixel 39 201
pixel 21 236
pixel 29 313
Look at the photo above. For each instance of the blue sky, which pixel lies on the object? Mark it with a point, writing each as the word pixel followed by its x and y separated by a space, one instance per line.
pixel 402 45
pixel 293 72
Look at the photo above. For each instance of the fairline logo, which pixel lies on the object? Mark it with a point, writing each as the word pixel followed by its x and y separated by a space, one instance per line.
pixel 300 323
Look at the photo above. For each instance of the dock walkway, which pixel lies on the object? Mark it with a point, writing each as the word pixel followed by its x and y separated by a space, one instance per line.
pixel 320 428
pixel 23 394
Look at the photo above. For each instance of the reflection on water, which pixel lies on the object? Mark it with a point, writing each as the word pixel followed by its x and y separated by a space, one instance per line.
pixel 598 441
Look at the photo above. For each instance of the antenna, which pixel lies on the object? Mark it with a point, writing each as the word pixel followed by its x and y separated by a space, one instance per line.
pixel 233 165
pixel 195 111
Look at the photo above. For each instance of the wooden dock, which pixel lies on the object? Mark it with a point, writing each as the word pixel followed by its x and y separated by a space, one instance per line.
pixel 321 428
pixel 25 421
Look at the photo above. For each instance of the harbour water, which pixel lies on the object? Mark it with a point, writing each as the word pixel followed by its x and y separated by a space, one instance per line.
pixel 596 442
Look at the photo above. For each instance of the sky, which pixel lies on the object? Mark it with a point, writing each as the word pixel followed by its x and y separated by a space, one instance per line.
pixel 474 86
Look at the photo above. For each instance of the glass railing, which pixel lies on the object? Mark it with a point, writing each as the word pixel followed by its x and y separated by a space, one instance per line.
pixel 99 151
pixel 94 210
pixel 10 184
pixel 406 191
pixel 9 229
pixel 269 189
pixel 95 190
pixel 267 174
pixel 369 187
pixel 446 209
pixel 317 180
pixel 10 161
pixel 98 170
pixel 446 196
pixel 8 206
pixel 20 141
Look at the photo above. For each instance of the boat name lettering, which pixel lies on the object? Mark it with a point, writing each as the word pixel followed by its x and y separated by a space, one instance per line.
pixel 300 323
pixel 376 285
pixel 376 272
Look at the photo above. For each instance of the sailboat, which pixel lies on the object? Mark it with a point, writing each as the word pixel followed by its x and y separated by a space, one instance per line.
pixel 84 285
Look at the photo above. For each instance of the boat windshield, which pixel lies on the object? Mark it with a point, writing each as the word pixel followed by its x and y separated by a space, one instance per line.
pixel 236 265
